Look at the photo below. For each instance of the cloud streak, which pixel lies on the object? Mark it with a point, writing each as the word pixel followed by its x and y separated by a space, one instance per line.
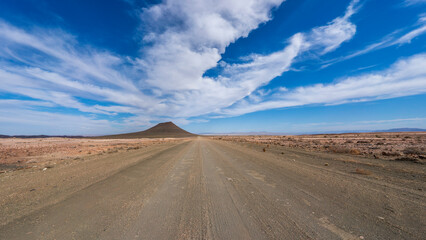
pixel 404 78
pixel 390 40
pixel 414 2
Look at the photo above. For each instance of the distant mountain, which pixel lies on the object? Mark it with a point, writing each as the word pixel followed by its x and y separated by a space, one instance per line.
pixel 317 132
pixel 403 130
pixel 161 130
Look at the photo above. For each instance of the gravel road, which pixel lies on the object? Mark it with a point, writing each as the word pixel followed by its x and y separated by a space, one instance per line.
pixel 210 189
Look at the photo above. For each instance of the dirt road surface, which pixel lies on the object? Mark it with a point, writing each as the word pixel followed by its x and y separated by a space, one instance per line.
pixel 211 189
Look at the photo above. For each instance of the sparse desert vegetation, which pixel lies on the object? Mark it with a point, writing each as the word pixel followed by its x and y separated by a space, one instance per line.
pixel 410 146
pixel 39 153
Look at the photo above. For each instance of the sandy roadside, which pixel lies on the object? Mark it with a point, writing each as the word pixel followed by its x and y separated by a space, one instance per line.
pixel 60 167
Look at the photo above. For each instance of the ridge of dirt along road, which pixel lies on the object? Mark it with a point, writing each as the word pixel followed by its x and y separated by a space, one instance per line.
pixel 210 189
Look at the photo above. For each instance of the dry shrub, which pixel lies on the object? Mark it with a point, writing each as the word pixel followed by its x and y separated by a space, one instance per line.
pixel 391 154
pixel 336 149
pixel 340 149
pixel 362 171
pixel 413 151
pixel 264 149
pixel 355 151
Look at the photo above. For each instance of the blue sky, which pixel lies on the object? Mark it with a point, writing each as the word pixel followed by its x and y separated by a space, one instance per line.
pixel 295 66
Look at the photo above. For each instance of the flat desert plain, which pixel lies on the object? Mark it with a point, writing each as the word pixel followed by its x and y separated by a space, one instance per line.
pixel 338 186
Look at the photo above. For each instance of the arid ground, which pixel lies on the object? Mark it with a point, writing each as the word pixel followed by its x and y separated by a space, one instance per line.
pixel 348 186
pixel 404 146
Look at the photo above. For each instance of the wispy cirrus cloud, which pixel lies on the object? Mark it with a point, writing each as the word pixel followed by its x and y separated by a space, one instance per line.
pixel 406 38
pixel 57 51
pixel 404 78
pixel 328 38
pixel 414 2
pixel 12 121
pixel 397 38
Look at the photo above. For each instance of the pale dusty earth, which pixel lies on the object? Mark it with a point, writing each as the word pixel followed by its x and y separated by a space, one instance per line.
pixel 209 188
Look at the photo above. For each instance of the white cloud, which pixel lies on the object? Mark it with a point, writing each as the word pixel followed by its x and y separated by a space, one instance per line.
pixel 332 35
pixel 54 68
pixel 177 63
pixel 405 77
pixel 188 37
pixel 388 41
pixel 60 47
pixel 406 38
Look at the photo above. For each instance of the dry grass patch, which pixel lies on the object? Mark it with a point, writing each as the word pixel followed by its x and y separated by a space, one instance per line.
pixel 414 151
pixel 362 171
pixel 341 149
pixel 384 146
